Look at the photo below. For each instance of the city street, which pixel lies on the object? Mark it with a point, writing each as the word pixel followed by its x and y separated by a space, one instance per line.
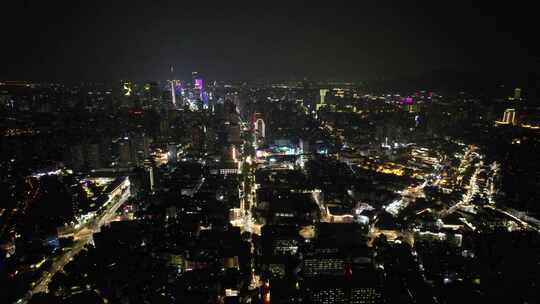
pixel 81 238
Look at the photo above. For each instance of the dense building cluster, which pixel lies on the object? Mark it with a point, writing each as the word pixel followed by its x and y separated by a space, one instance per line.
pixel 302 192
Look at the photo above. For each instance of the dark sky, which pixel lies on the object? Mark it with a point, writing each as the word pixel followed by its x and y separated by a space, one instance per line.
pixel 101 40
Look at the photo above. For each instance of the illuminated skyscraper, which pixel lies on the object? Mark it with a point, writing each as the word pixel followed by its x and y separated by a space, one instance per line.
pixel 172 152
pixel 124 153
pixel 173 93
pixel 173 88
pixel 509 118
pixel 127 87
pixel 149 166
pixel 260 125
pixel 198 85
pixel 322 96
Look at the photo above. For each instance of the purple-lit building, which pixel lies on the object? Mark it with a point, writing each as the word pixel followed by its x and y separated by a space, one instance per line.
pixel 407 100
pixel 178 88
pixel 199 84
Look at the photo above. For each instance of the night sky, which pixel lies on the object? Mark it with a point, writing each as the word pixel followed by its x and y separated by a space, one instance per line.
pixel 140 40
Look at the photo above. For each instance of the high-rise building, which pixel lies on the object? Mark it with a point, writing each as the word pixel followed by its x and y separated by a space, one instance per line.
pixel 198 85
pixel 151 178
pixel 176 91
pixel 322 98
pixel 304 146
pixel 164 127
pixel 124 151
pixel 173 93
pixel 93 156
pixel 127 88
pixel 150 167
pixel 233 134
pixel 317 265
pixel 176 94
pixel 172 152
pixel 304 151
pixel 509 118
pixel 77 156
pixel 155 91
pixel 517 94
pixel 140 145
pixel 322 95
pixel 260 125
pixel 341 290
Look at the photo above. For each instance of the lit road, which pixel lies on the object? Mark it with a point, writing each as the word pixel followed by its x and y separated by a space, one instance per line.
pixel 246 188
pixel 470 159
pixel 514 217
pixel 81 237
pixel 471 191
pixel 247 194
pixel 411 193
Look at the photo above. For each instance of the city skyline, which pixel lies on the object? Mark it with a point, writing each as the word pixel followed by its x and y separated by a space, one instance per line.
pixel 169 152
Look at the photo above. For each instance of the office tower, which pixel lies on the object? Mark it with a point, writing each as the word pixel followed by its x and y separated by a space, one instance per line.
pixel 155 91
pixel 322 98
pixel 323 265
pixel 140 144
pixel 164 127
pixel 198 85
pixel 176 91
pixel 152 181
pixel 124 153
pixel 147 141
pixel 517 94
pixel 304 149
pixel 233 135
pixel 341 290
pixel 93 156
pixel 151 177
pixel 126 97
pixel 304 145
pixel 77 157
pixel 260 125
pixel 322 95
pixel 127 88
pixel 150 168
pixel 197 79
pixel 509 117
pixel 173 93
pixel 172 152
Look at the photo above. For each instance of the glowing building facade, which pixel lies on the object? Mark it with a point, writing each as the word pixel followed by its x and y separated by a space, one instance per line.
pixel 322 97
pixel 259 125
pixel 173 93
pixel 509 118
